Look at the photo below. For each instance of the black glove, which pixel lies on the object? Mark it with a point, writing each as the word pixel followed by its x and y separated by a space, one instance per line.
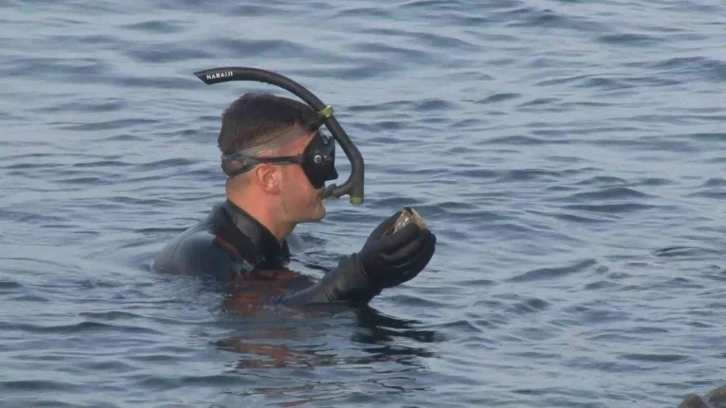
pixel 390 260
pixel 383 262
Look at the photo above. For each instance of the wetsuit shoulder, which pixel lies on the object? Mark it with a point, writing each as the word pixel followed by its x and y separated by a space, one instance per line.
pixel 197 251
pixel 216 247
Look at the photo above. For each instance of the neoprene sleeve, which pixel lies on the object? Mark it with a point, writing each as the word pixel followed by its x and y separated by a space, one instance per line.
pixel 345 283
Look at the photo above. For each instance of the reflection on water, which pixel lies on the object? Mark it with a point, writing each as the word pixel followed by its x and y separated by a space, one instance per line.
pixel 313 392
pixel 287 346
pixel 271 347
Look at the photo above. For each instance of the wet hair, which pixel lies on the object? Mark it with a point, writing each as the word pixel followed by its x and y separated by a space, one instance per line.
pixel 255 119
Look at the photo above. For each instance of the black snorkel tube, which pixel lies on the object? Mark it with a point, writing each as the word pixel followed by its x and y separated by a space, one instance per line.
pixel 354 185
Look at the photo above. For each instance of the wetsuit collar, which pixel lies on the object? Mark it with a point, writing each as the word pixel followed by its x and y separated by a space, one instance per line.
pixel 261 237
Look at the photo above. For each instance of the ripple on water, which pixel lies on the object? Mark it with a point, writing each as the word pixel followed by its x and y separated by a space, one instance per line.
pixel 553 273
pixel 702 68
pixel 630 39
pixel 656 358
pixel 79 328
pixel 157 26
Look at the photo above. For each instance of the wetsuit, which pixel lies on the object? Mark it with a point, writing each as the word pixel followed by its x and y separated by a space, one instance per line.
pixel 230 245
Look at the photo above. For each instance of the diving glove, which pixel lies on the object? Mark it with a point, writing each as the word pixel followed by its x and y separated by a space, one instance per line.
pixel 386 260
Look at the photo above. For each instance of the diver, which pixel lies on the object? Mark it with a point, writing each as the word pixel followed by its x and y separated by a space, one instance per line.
pixel 277 161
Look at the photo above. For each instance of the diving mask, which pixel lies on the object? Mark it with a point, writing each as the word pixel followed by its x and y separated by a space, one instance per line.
pixel 317 160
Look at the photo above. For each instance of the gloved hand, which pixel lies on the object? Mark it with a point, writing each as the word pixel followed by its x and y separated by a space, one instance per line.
pixel 383 262
pixel 389 260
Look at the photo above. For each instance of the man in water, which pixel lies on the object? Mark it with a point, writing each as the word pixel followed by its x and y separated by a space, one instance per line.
pixel 277 163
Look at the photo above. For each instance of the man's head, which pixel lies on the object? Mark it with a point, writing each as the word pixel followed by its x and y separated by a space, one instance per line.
pixel 257 128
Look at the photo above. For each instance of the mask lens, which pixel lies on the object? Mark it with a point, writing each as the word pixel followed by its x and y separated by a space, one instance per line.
pixel 319 160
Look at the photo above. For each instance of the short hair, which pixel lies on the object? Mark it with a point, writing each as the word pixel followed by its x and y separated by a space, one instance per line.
pixel 255 119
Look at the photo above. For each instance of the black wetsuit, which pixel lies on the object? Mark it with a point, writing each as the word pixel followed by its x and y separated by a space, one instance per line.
pixel 229 244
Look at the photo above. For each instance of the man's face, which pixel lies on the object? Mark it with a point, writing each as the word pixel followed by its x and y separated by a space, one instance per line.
pixel 301 202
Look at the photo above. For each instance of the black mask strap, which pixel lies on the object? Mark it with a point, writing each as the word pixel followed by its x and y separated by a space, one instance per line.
pixel 249 162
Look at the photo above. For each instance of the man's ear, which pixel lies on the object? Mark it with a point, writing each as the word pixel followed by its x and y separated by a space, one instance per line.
pixel 268 178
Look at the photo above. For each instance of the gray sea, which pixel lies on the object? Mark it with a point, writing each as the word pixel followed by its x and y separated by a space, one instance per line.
pixel 569 155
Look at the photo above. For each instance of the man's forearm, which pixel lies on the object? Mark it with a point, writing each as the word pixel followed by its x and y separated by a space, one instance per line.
pixel 345 283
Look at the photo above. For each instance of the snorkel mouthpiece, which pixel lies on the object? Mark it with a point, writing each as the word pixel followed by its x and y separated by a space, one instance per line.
pixel 354 185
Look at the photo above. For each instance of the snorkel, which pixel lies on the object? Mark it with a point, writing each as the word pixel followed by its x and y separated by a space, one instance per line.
pixel 354 185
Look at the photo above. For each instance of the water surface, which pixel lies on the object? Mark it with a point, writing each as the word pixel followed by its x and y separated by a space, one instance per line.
pixel 570 157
